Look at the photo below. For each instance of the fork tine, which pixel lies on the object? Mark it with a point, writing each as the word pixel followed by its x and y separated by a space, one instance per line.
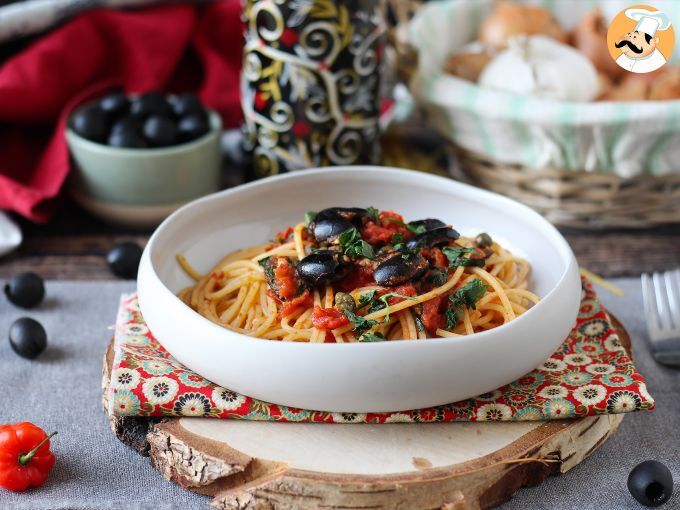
pixel 661 302
pixel 648 300
pixel 673 290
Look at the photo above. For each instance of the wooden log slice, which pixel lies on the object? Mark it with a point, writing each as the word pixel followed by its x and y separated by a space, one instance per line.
pixel 266 466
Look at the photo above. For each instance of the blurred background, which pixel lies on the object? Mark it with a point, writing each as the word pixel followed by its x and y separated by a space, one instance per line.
pixel 113 113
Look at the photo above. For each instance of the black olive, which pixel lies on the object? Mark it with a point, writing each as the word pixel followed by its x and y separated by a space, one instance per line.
pixel 25 290
pixel 123 259
pixel 115 105
pixel 130 138
pixel 187 104
pixel 27 337
pixel 397 269
pixel 328 229
pixel 322 267
pixel 127 123
pixel 427 224
pixel 329 223
pixel 192 126
pixel 160 131
pixel 91 123
pixel 651 483
pixel 151 103
pixel 432 238
pixel 483 240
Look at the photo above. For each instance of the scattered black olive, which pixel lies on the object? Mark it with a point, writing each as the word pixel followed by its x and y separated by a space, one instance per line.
pixel 91 123
pixel 131 139
pixel 151 103
pixel 651 483
pixel 187 104
pixel 114 105
pixel 27 337
pixel 123 259
pixel 192 126
pixel 160 131
pixel 25 290
pixel 483 240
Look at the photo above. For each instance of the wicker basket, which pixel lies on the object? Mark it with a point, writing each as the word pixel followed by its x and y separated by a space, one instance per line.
pixel 579 199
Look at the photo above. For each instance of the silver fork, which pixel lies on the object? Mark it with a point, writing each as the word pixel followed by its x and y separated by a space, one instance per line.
pixel 661 297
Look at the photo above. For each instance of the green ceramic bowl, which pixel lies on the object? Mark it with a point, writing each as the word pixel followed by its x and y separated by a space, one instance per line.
pixel 158 179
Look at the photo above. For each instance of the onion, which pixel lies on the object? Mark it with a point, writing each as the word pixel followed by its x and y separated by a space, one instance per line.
pixel 638 87
pixel 541 66
pixel 667 86
pixel 509 19
pixel 467 66
pixel 606 84
pixel 590 38
pixel 633 91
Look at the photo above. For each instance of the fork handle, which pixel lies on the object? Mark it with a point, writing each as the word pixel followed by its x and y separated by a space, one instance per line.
pixel 667 352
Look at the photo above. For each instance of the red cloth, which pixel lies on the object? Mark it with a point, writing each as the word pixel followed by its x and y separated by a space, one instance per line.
pixel 172 48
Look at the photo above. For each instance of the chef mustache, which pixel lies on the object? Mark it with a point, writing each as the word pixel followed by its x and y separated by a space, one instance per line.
pixel 626 42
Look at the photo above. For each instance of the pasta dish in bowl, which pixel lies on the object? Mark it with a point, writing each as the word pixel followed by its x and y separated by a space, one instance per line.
pixel 400 291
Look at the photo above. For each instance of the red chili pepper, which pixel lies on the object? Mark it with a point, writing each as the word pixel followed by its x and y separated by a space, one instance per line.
pixel 25 456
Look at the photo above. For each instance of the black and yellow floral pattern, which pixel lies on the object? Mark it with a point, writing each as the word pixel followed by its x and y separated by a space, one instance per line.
pixel 310 82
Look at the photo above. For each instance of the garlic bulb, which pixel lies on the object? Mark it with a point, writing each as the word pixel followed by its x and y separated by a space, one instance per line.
pixel 541 66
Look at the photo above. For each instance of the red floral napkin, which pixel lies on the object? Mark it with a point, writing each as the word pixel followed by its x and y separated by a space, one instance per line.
pixel 591 373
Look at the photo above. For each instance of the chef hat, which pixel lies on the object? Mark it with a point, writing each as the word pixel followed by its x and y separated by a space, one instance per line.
pixel 648 21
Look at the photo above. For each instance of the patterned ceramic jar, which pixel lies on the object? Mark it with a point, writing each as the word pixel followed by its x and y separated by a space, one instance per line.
pixel 310 82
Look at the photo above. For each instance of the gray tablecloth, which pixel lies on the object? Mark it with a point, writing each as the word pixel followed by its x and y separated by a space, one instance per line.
pixel 61 391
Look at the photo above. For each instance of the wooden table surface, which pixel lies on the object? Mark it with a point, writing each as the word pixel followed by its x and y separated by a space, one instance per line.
pixel 73 247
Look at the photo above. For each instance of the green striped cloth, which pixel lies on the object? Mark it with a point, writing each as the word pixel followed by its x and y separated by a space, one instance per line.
pixel 628 139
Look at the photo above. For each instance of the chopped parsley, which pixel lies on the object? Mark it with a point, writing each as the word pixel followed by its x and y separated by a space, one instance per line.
pixel 361 325
pixel 354 246
pixel 372 337
pixel 452 318
pixel 267 264
pixel 416 229
pixel 398 242
pixel 379 302
pixel 373 213
pixel 469 294
pixel 457 257
pixel 366 299
pixel 437 277
pixel 309 217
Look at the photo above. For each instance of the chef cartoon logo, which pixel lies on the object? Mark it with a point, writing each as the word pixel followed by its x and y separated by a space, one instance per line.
pixel 641 39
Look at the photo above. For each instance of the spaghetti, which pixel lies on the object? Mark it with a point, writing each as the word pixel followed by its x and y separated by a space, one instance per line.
pixel 360 275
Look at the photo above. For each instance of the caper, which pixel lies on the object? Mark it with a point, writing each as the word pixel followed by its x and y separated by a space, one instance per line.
pixel 344 302
pixel 483 240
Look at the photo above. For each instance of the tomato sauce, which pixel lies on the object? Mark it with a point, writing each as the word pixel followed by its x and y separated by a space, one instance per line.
pixel 390 223
pixel 328 318
pixel 432 318
pixel 304 300
pixel 360 276
pixel 284 278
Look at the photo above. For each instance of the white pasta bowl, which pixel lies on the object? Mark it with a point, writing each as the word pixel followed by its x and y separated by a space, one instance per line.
pixel 357 377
